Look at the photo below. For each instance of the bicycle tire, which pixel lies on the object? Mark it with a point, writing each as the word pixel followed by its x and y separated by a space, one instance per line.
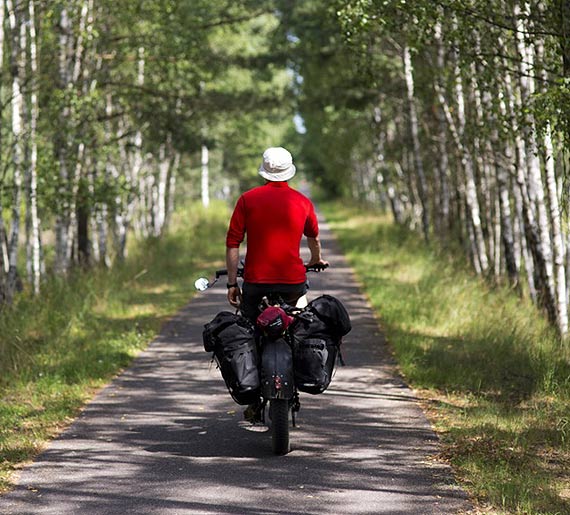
pixel 280 426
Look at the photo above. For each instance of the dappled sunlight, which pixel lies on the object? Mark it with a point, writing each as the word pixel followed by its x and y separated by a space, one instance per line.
pixel 494 377
pixel 363 446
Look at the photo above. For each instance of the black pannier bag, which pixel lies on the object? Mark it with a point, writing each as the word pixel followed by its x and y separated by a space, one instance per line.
pixel 311 372
pixel 333 313
pixel 317 336
pixel 231 338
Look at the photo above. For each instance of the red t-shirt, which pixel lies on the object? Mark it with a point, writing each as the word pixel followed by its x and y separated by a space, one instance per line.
pixel 275 217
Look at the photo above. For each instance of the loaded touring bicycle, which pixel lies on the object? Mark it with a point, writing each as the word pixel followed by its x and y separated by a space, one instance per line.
pixel 290 349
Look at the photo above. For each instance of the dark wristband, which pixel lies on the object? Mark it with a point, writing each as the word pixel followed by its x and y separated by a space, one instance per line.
pixel 234 285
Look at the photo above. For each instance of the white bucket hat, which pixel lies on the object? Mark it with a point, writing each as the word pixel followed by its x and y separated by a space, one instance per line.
pixel 277 165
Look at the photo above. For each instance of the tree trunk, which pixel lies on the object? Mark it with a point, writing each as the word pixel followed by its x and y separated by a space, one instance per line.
pixel 72 238
pixel 535 187
pixel 164 165
pixel 61 145
pixel 507 233
pixel 482 158
pixel 33 175
pixel 414 128
pixel 18 30
pixel 557 237
pixel 82 216
pixel 509 237
pixel 555 218
pixel 443 161
pixel 481 261
pixel 205 176
pixel 171 181
pixel 4 258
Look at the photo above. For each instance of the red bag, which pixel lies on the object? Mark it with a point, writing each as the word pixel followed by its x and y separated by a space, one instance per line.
pixel 273 321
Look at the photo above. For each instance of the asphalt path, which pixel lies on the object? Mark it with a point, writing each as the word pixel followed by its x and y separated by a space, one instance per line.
pixel 166 438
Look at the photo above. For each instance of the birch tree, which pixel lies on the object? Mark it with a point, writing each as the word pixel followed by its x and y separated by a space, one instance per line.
pixel 495 82
pixel 34 238
pixel 18 45
pixel 414 128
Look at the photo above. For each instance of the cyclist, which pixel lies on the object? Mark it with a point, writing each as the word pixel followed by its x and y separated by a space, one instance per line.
pixel 275 217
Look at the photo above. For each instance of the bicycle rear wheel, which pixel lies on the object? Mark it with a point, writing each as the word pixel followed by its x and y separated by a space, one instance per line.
pixel 279 409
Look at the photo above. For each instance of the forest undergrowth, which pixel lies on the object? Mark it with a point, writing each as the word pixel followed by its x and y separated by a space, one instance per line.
pixel 494 378
pixel 57 351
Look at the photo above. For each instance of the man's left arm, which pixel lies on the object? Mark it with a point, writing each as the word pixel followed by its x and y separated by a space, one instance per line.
pixel 314 245
pixel 236 232
pixel 232 262
pixel 313 242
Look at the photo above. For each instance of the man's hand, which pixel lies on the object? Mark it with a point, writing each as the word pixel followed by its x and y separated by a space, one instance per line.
pixel 318 263
pixel 234 296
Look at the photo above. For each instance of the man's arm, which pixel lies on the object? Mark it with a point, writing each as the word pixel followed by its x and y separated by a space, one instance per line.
pixel 236 232
pixel 232 262
pixel 314 245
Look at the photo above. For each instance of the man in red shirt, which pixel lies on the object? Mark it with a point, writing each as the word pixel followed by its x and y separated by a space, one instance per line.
pixel 275 217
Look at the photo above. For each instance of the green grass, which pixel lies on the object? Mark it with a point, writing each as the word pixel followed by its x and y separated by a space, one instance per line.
pixel 495 379
pixel 57 350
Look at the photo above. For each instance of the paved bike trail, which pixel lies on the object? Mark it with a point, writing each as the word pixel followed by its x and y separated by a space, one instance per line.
pixel 166 438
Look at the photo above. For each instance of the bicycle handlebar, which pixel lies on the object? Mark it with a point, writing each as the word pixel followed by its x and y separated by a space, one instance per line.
pixel 312 268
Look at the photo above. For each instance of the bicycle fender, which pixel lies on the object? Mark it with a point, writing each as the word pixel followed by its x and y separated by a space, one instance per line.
pixel 277 378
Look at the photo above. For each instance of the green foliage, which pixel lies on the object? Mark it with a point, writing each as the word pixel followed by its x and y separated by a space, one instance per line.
pixel 494 375
pixel 55 353
pixel 331 94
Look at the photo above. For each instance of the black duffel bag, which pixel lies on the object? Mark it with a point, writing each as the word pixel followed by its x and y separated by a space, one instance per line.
pixel 231 338
pixel 317 335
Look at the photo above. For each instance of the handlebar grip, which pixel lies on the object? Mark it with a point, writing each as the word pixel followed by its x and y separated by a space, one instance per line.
pixel 316 268
pixel 224 271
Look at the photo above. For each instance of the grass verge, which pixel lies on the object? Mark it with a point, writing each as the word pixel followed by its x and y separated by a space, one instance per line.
pixel 495 379
pixel 56 351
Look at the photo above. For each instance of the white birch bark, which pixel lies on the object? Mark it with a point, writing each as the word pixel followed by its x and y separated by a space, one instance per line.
pixel 3 238
pixel 443 158
pixel 138 208
pixel 568 263
pixel 414 127
pixel 482 158
pixel 535 184
pixel 120 229
pixel 555 217
pixel 33 193
pixel 164 165
pixel 480 261
pixel 205 160
pixel 71 239
pixel 173 171
pixel 520 194
pixel 468 166
pixel 123 209
pixel 18 31
pixel 507 230
pixel 152 193
pixel 61 144
pixel 92 176
pixel 86 8
pixel 101 212
pixel 557 237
